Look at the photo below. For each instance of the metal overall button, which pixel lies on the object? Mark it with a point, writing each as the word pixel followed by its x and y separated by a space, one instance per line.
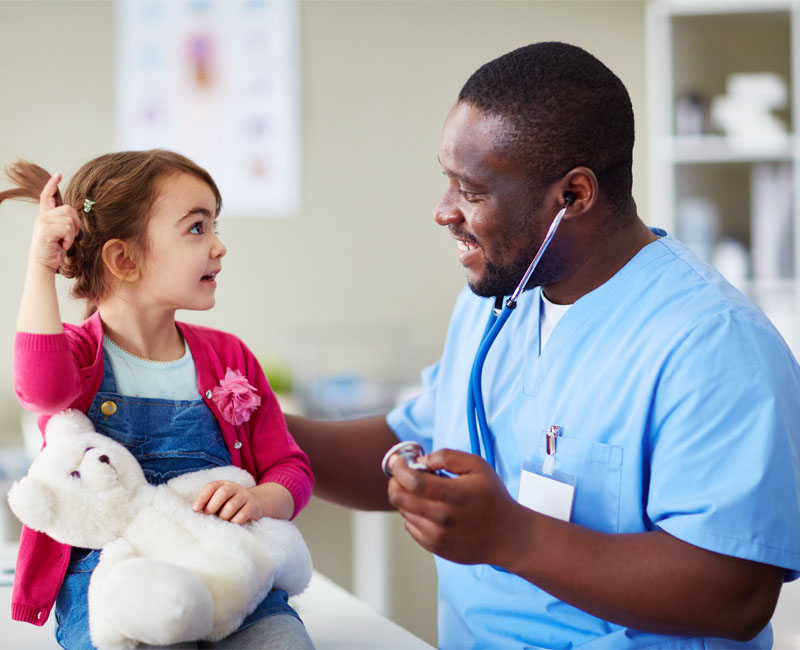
pixel 108 408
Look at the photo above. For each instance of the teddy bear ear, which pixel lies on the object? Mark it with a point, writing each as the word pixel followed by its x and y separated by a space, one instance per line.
pixel 67 423
pixel 33 503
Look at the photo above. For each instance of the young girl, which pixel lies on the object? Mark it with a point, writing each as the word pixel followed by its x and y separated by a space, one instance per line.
pixel 137 233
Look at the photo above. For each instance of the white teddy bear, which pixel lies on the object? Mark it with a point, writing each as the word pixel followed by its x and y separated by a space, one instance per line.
pixel 166 573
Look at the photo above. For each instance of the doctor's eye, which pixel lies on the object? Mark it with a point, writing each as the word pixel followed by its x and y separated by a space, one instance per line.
pixel 75 474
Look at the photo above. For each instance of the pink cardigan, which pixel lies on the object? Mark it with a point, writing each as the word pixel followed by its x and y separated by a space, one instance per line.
pixel 53 372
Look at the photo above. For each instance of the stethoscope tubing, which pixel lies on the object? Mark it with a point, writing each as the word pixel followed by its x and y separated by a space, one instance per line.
pixel 476 410
pixel 477 423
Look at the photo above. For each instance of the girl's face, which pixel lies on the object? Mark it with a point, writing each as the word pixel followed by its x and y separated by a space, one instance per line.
pixel 184 252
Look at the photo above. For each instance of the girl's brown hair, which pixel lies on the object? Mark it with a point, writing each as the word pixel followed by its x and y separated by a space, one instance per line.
pixel 123 186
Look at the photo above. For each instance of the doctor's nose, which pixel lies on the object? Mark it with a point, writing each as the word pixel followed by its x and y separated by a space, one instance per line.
pixel 446 212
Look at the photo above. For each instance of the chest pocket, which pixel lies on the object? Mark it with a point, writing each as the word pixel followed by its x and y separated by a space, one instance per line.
pixel 167 437
pixel 597 468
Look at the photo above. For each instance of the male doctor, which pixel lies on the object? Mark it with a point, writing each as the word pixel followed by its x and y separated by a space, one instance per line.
pixel 644 415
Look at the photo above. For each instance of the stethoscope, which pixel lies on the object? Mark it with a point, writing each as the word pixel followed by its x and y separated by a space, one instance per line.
pixel 479 431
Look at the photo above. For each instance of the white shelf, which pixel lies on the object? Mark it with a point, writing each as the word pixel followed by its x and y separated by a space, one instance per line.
pixel 723 149
pixel 719 7
pixel 694 46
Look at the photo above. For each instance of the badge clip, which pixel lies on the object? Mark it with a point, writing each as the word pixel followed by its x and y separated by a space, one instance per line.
pixel 551 435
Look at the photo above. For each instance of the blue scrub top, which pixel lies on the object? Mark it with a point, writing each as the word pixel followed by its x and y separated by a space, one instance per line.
pixel 679 408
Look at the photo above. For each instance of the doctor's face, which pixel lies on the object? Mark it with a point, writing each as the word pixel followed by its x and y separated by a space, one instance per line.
pixel 489 206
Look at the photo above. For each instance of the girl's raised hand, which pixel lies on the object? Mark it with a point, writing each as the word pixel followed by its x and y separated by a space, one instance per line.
pixel 55 229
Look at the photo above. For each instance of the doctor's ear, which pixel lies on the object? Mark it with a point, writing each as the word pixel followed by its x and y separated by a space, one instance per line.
pixel 579 191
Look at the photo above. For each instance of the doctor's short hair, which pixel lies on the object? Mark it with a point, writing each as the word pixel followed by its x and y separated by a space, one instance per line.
pixel 121 188
pixel 565 109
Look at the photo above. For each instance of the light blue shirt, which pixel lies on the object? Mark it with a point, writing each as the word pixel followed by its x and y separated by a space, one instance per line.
pixel 679 407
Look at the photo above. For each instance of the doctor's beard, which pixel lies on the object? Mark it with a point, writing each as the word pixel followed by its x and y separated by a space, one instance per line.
pixel 502 280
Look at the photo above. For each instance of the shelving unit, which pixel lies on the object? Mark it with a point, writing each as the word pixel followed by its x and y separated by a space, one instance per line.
pixel 729 193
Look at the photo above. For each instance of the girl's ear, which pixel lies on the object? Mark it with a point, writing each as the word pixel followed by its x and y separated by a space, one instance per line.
pixel 119 260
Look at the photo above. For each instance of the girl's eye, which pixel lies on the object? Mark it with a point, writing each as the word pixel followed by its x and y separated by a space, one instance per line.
pixel 197 228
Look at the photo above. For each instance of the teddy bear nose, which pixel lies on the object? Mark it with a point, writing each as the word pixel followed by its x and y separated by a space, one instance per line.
pixel 103 459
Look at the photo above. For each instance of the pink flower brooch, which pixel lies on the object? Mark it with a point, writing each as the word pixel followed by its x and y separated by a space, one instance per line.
pixel 235 397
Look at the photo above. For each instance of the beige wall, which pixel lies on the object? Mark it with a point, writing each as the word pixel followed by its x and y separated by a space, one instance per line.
pixel 362 259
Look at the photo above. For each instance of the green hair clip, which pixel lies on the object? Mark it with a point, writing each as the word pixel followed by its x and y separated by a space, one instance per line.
pixel 88 204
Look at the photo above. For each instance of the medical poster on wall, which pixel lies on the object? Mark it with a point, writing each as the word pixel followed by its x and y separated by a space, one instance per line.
pixel 218 81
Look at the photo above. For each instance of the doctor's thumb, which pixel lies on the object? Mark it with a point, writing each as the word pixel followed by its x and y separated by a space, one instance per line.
pixel 455 462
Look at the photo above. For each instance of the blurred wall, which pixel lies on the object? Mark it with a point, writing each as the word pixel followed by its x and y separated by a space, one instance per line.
pixel 362 260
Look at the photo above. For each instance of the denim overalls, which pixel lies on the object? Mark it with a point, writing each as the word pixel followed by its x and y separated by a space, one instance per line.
pixel 168 438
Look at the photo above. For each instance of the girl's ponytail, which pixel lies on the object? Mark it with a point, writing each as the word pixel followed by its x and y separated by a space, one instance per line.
pixel 29 179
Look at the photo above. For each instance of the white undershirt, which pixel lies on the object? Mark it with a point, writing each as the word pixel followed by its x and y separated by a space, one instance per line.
pixel 138 377
pixel 549 315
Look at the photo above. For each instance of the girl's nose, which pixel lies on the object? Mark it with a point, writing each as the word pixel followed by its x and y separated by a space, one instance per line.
pixel 218 248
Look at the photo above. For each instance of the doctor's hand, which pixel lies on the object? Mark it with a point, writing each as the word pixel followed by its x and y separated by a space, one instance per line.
pixel 464 519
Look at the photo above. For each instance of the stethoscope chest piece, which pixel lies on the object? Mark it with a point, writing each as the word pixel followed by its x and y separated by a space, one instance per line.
pixel 409 451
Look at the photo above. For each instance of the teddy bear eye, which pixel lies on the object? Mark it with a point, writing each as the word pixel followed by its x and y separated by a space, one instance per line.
pixel 89 449
pixel 75 474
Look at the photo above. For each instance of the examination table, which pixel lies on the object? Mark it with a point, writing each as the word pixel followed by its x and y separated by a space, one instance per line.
pixel 334 618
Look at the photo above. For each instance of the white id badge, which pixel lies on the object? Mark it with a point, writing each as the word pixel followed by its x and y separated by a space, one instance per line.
pixel 549 495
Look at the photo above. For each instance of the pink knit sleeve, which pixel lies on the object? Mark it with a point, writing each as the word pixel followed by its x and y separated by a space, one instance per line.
pixel 291 467
pixel 46 378
pixel 277 457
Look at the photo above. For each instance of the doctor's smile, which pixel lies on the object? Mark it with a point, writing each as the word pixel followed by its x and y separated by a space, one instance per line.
pixel 466 248
pixel 464 245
